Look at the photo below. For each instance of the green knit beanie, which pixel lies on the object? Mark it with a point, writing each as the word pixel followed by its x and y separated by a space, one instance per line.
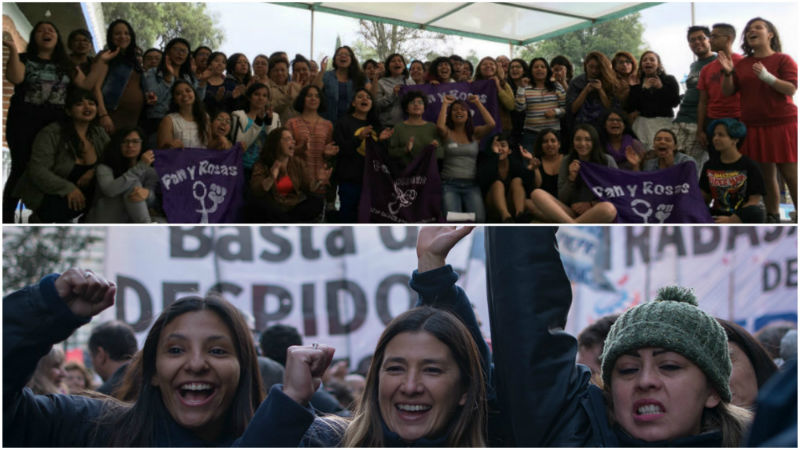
pixel 673 322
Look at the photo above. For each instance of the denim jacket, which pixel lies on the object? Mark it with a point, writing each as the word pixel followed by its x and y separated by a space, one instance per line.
pixel 153 81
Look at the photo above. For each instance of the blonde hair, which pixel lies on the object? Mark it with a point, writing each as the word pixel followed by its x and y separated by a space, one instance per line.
pixel 87 376
pixel 41 383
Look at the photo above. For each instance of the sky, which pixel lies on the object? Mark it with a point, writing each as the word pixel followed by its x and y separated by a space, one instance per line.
pixel 254 28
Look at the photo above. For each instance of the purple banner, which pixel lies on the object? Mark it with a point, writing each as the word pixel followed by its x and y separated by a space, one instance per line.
pixel 665 196
pixel 413 196
pixel 486 90
pixel 200 185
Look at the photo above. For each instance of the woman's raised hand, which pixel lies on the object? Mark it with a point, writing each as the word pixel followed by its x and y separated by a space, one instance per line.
pixel 305 366
pixel 434 243
pixel 85 293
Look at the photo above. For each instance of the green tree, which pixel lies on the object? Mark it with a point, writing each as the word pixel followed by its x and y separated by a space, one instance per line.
pixel 379 40
pixel 32 252
pixel 609 37
pixel 157 23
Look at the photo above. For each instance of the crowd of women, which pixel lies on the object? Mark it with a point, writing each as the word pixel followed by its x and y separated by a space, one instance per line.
pixel 80 128
pixel 666 372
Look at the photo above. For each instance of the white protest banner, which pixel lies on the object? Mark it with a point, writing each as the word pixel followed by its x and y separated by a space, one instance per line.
pixel 744 274
pixel 337 285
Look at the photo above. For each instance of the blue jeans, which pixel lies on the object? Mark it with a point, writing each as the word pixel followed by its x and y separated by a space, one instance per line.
pixel 463 196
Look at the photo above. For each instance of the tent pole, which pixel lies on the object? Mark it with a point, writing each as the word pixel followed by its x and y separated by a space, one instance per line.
pixel 311 55
pixel 510 50
pixel 692 13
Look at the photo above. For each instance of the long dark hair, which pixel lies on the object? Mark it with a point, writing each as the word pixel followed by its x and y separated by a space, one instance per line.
pixel 626 123
pixel 59 56
pixel 198 109
pixel 774 44
pixel 524 73
pixel 69 135
pixel 272 147
pixel 112 156
pixel 354 71
pixel 549 84
pixel 433 70
pixel 469 128
pixel 537 145
pixel 468 425
pixel 130 53
pixel 597 155
pixel 562 60
pixel 300 102
pixel 136 426
pixel 230 68
pixel 372 114
pixel 185 70
pixel 389 58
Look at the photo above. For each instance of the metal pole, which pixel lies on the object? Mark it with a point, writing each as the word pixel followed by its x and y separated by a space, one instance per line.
pixel 311 55
pixel 510 50
pixel 692 13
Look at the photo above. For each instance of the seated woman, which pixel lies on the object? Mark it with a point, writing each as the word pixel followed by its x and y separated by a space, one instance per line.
pixel 60 179
pixel 389 86
pixel 617 136
pixel 425 386
pixel 126 181
pixel 220 131
pixel 252 124
pixel 653 99
pixel 198 376
pixel 666 154
pixel 186 125
pixel 576 202
pixel 543 165
pixel 412 135
pixel 732 183
pixel 460 190
pixel 280 188
pixel 500 176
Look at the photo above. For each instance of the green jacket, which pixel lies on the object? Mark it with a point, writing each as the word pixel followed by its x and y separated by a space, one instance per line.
pixel 51 162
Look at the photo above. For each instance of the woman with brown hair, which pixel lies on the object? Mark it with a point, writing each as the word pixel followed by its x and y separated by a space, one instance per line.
pixel 280 187
pixel 594 91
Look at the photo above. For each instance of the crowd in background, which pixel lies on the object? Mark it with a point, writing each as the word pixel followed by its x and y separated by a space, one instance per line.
pixel 81 128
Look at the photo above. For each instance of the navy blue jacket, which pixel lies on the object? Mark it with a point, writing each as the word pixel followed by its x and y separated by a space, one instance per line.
pixel 544 398
pixel 34 318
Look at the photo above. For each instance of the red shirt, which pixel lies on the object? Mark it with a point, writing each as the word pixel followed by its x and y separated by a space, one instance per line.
pixel 284 185
pixel 761 104
pixel 719 106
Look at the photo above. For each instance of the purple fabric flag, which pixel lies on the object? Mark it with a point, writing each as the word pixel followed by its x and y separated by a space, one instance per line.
pixel 669 195
pixel 200 185
pixel 486 90
pixel 412 196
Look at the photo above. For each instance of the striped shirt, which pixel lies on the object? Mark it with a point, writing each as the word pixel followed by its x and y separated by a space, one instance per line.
pixel 536 102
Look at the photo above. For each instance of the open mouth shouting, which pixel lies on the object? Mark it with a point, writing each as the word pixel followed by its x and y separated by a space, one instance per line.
pixel 196 394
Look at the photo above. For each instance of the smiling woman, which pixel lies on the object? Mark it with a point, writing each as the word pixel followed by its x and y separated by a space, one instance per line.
pixel 197 373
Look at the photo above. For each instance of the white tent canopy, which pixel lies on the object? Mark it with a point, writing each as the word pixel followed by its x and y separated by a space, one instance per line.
pixel 512 23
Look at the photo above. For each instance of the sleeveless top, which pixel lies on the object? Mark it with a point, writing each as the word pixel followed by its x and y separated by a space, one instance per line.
pixel 186 131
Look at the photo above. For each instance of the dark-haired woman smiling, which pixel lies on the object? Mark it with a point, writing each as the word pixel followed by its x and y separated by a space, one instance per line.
pixel 120 98
pixel 340 84
pixel 40 77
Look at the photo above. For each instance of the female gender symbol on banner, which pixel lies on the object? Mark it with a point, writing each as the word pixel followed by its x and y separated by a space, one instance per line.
pixel 216 195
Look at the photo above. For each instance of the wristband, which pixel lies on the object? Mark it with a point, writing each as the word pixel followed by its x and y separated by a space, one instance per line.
pixel 767 77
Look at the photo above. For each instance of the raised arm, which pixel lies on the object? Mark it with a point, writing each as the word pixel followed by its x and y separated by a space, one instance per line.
pixel 35 318
pixel 539 387
pixel 15 69
pixel 482 130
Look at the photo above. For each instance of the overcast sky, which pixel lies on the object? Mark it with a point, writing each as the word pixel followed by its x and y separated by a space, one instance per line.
pixel 254 28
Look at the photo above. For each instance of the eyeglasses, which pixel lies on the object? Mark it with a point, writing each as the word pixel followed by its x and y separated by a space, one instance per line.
pixel 131 141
